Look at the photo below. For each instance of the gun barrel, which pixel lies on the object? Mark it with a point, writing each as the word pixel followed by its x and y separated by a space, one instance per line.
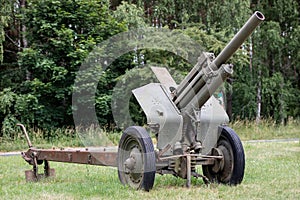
pixel 239 38
pixel 204 79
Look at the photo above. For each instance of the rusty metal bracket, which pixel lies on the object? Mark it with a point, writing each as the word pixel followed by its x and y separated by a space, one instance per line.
pixel 33 175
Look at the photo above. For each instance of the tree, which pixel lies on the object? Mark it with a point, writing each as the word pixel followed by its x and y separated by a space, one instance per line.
pixel 132 15
pixel 60 35
pixel 46 42
pixel 5 12
pixel 276 58
pixel 273 48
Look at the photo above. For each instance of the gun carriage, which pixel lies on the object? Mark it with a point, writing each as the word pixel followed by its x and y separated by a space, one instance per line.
pixel 189 124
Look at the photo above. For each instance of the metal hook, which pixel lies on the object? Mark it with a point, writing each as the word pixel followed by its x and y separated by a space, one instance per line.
pixel 26 135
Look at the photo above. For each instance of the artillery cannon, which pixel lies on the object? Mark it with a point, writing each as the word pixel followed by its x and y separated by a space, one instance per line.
pixel 187 120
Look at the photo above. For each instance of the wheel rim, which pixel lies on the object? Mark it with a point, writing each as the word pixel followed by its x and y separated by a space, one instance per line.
pixel 136 159
pixel 221 171
pixel 227 162
pixel 229 169
pixel 132 162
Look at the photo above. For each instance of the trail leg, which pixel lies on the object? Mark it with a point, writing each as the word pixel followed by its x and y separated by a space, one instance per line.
pixel 48 172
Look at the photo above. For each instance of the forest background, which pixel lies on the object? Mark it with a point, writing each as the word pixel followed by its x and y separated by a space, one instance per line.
pixel 44 42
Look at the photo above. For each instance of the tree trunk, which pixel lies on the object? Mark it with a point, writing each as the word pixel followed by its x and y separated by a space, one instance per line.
pixel 258 111
pixel 23 26
pixel 23 36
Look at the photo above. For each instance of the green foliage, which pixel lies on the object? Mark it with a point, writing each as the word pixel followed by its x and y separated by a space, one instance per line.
pixel 62 33
pixel 276 58
pixel 276 92
pixel 130 14
pixel 15 108
pixel 59 35
pixel 227 16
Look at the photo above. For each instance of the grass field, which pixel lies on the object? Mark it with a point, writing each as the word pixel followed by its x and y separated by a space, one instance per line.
pixel 272 172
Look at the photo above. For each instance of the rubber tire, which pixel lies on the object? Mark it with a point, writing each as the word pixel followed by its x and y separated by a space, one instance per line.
pixel 141 137
pixel 238 167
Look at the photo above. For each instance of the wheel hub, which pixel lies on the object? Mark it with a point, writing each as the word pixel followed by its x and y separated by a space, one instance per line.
pixel 129 164
pixel 135 160
pixel 227 163
pixel 219 163
pixel 134 165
